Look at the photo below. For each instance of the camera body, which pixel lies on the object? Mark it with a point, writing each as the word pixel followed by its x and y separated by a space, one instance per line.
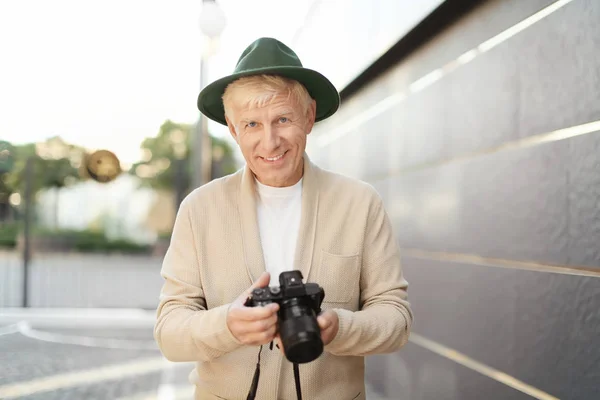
pixel 299 306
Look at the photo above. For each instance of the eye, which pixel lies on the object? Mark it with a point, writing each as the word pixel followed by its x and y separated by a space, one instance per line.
pixel 283 120
pixel 251 124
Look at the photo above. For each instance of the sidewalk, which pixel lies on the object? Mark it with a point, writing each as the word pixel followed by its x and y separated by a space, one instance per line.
pixel 98 353
pixel 121 318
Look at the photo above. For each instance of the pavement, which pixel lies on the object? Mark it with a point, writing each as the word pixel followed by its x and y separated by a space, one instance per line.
pixel 85 355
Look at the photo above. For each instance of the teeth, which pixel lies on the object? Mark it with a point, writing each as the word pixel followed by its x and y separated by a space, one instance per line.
pixel 274 158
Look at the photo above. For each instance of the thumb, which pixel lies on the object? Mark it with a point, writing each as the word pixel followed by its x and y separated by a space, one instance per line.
pixel 323 321
pixel 262 281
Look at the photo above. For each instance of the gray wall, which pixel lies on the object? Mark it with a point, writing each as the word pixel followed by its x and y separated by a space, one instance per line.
pixel 498 217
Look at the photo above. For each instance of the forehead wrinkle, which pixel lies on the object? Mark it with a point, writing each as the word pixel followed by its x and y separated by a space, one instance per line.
pixel 257 113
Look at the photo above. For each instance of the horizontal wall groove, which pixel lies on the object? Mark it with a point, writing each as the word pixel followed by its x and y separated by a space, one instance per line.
pixel 425 81
pixel 479 367
pixel 528 142
pixel 473 259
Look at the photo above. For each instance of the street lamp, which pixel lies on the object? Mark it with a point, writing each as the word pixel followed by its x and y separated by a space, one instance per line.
pixel 212 19
pixel 212 23
pixel 178 141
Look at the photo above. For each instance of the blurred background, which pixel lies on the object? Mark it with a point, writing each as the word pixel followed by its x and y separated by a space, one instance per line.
pixel 477 121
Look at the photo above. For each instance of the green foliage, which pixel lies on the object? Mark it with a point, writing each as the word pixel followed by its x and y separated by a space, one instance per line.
pixel 171 145
pixel 50 171
pixel 13 180
pixel 88 241
pixel 56 164
pixel 8 234
pixel 6 156
pixel 56 173
pixel 223 158
pixel 157 169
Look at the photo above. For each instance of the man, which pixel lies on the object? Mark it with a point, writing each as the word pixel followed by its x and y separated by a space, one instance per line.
pixel 280 212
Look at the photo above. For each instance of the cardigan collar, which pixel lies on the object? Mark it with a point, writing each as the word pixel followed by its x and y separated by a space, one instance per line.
pixel 247 201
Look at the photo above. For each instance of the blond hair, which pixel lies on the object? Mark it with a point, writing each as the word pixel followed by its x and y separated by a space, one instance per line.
pixel 261 90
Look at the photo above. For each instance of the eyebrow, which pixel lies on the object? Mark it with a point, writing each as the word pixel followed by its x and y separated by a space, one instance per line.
pixel 285 111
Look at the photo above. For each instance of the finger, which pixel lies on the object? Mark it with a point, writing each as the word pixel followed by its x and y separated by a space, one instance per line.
pixel 262 281
pixel 254 313
pixel 251 314
pixel 263 325
pixel 263 337
pixel 253 334
pixel 323 321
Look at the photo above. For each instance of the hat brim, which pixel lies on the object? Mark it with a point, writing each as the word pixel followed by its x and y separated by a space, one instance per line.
pixel 210 101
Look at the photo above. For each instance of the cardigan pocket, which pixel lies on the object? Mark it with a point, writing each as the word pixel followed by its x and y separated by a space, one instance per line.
pixel 339 276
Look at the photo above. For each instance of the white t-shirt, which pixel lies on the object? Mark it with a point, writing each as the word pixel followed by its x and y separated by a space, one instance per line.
pixel 278 211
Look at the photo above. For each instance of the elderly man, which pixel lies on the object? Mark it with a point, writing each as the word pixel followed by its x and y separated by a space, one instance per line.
pixel 280 212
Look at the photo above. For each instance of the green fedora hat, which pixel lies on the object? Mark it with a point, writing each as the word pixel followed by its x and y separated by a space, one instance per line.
pixel 270 56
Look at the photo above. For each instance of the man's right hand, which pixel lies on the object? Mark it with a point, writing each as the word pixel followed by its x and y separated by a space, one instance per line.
pixel 253 325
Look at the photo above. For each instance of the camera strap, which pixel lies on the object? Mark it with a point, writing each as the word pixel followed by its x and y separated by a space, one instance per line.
pixel 297 380
pixel 254 386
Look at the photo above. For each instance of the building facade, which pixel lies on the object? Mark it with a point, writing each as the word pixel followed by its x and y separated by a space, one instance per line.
pixel 480 128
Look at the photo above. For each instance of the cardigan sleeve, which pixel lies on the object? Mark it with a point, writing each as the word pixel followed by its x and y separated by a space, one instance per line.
pixel 382 325
pixel 185 330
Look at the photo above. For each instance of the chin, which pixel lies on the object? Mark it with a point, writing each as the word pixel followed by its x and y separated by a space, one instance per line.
pixel 277 180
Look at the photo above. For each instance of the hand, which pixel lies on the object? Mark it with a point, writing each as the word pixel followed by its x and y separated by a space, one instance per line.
pixel 328 322
pixel 253 325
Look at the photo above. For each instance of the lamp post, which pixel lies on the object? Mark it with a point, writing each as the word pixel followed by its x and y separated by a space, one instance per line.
pixel 178 141
pixel 212 22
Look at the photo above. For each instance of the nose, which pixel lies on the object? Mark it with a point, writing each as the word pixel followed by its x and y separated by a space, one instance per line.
pixel 270 139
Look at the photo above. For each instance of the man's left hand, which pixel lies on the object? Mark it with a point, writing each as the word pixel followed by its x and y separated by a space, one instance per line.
pixel 328 322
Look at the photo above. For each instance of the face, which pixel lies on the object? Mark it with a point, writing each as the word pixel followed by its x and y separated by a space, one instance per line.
pixel 273 139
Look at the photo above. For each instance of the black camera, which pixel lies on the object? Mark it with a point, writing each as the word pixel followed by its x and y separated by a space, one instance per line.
pixel 299 305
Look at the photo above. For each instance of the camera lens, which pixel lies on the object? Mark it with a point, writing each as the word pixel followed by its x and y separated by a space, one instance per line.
pixel 299 331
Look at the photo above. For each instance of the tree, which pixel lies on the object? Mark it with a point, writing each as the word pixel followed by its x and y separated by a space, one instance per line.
pixel 13 180
pixel 170 149
pixel 223 162
pixel 160 152
pixel 55 165
pixel 7 163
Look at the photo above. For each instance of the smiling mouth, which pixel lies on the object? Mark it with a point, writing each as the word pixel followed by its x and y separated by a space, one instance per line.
pixel 275 158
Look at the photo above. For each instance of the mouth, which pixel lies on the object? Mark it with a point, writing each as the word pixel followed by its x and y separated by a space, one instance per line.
pixel 275 158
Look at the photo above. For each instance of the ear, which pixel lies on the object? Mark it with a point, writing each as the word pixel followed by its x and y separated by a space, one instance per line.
pixel 231 128
pixel 311 116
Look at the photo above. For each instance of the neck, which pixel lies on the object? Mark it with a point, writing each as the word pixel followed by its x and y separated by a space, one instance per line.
pixel 294 179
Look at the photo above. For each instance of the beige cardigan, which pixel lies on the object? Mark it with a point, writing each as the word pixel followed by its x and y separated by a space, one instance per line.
pixel 345 244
